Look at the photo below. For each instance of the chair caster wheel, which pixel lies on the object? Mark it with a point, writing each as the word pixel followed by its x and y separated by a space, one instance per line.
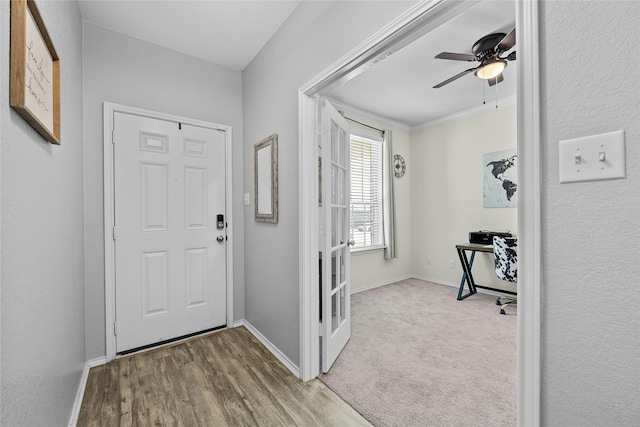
pixel 502 311
pixel 498 302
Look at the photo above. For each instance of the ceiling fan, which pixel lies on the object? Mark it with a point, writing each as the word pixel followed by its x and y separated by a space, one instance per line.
pixel 487 51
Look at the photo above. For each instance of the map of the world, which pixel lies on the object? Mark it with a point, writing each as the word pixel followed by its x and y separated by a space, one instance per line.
pixel 500 173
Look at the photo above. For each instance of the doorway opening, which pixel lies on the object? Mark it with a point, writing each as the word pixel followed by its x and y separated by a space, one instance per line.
pixel 179 211
pixel 407 28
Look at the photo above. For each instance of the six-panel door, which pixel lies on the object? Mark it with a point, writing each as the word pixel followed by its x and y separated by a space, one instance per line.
pixel 169 249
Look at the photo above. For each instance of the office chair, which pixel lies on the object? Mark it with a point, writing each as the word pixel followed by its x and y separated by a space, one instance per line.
pixel 505 255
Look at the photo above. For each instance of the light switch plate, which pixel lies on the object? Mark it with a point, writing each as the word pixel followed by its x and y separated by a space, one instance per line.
pixel 246 199
pixel 593 157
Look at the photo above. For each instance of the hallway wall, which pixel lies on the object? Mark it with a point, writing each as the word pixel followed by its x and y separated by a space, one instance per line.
pixel 42 299
pixel 129 71
pixel 590 230
pixel 315 35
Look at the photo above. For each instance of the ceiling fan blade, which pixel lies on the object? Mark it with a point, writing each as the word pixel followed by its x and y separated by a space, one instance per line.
pixel 512 56
pixel 507 41
pixel 456 77
pixel 456 56
pixel 495 81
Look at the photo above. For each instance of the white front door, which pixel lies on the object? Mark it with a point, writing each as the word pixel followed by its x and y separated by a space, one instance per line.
pixel 170 230
pixel 336 310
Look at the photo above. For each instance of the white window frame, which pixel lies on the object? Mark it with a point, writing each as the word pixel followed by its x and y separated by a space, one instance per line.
pixel 380 198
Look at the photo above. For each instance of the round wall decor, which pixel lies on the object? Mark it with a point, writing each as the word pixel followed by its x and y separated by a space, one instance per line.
pixel 399 166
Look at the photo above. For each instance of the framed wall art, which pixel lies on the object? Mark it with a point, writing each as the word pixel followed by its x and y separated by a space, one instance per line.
pixel 35 71
pixel 500 179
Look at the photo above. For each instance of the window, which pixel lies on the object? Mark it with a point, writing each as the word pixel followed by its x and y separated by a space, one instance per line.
pixel 366 193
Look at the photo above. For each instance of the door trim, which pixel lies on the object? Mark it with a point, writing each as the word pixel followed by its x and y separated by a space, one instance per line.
pixel 109 109
pixel 416 22
pixel 529 320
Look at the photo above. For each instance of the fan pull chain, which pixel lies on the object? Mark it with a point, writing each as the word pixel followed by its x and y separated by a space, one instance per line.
pixel 496 91
pixel 484 98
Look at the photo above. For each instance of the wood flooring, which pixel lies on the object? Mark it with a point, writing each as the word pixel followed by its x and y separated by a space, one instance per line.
pixel 225 378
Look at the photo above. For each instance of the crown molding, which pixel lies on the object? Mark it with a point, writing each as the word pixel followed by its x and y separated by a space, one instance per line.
pixel 509 100
pixel 371 116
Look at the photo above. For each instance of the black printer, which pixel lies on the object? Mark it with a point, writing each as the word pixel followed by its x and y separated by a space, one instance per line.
pixel 485 237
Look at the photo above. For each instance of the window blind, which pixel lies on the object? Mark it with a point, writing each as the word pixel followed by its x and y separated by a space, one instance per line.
pixel 366 193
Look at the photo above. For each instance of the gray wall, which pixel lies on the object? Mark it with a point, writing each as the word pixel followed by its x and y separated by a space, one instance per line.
pixel 43 341
pixel 315 35
pixel 591 232
pixel 129 71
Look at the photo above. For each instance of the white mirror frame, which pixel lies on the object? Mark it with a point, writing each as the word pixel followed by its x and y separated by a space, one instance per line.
pixel 265 162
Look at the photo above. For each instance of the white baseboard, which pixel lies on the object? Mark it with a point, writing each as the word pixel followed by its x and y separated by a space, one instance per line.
pixel 457 285
pixel 272 348
pixel 75 412
pixel 426 279
pixel 439 282
pixel 384 283
pixel 103 360
pixel 97 362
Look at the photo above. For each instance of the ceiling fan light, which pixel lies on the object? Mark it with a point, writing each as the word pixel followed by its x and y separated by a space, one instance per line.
pixel 491 69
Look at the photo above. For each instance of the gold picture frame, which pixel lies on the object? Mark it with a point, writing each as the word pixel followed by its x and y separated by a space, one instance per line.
pixel 35 71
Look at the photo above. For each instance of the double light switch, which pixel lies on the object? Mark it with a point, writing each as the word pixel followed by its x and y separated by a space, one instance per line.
pixel 592 157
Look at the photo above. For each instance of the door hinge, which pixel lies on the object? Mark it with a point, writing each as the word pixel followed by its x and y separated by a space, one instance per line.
pixel 114 233
pixel 115 328
pixel 319 129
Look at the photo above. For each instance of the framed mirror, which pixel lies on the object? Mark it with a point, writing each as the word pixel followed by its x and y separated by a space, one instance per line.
pixel 265 161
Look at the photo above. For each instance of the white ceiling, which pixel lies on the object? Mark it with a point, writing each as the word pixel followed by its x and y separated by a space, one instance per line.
pixel 231 33
pixel 401 87
pixel 228 33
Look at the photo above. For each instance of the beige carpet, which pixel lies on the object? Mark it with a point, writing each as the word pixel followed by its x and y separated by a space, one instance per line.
pixel 419 357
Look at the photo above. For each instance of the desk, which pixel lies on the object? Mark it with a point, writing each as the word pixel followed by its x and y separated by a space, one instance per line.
pixel 467 264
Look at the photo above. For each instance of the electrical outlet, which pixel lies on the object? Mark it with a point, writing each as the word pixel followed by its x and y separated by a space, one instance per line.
pixel 452 264
pixel 428 260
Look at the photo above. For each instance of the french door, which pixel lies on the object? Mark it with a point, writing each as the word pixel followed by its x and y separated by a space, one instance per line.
pixel 334 245
pixel 170 230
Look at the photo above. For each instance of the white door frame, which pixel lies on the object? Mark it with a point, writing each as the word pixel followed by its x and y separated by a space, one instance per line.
pixel 109 110
pixel 416 22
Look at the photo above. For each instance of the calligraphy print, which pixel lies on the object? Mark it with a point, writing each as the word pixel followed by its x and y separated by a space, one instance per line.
pixel 500 179
pixel 38 74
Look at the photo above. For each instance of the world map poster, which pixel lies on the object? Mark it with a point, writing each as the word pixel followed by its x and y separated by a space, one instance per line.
pixel 500 179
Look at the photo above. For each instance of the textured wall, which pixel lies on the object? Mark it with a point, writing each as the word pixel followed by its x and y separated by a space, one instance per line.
pixel 315 35
pixel 43 341
pixel 129 71
pixel 448 202
pixel 591 237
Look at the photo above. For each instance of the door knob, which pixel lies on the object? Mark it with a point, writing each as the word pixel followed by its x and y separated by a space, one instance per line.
pixel 352 242
pixel 220 239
